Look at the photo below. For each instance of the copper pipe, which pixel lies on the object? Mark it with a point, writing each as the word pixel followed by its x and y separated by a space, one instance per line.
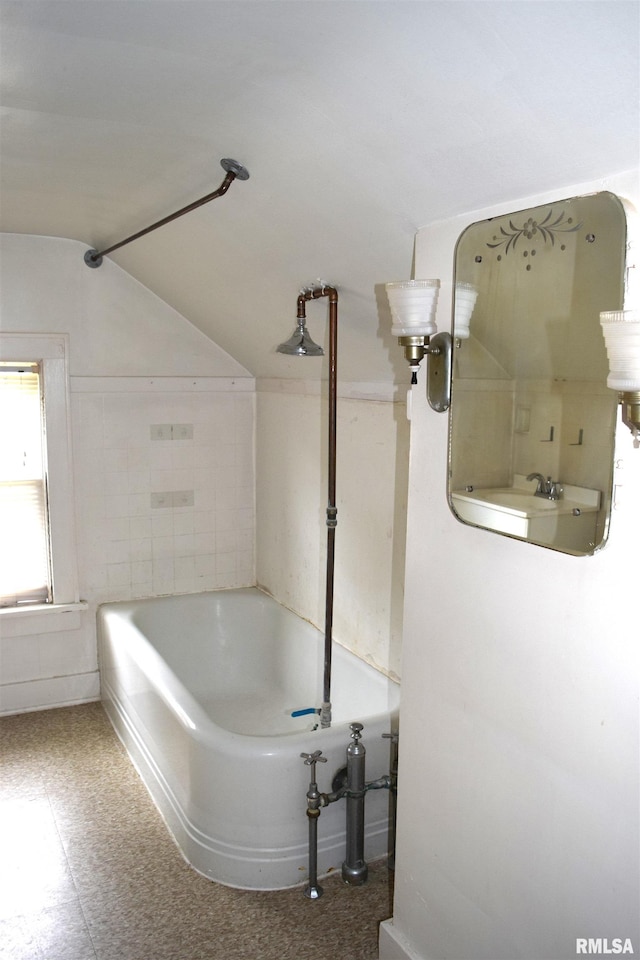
pixel 332 512
pixel 93 258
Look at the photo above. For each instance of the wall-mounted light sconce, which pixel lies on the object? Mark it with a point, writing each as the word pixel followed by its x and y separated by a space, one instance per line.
pixel 621 330
pixel 464 302
pixel 413 309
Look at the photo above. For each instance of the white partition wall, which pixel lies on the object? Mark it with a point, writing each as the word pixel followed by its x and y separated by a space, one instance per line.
pixel 518 808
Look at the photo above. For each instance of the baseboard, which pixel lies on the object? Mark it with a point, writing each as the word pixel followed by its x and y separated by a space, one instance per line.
pixel 48 694
pixel 393 946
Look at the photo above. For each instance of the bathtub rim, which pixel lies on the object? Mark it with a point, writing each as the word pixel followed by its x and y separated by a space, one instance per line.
pixel 196 719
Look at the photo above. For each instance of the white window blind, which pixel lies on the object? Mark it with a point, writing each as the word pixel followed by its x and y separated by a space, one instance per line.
pixel 24 529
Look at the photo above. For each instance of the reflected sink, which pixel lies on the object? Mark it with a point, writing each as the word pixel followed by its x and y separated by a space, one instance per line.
pixel 521 500
pixel 569 522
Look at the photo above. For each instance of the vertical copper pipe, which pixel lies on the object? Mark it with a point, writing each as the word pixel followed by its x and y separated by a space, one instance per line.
pixel 332 511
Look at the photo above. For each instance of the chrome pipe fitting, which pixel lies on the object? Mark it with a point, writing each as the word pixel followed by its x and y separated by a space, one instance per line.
pixel 393 794
pixel 313 890
pixel 354 789
pixel 354 867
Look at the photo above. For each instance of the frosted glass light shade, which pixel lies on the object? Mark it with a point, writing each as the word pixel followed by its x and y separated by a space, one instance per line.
pixel 464 302
pixel 621 329
pixel 413 307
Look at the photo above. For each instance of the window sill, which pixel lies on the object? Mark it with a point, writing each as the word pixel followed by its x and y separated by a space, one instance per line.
pixel 35 609
pixel 40 618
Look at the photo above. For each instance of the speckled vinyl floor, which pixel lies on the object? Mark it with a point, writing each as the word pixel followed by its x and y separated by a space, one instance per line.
pixel 89 872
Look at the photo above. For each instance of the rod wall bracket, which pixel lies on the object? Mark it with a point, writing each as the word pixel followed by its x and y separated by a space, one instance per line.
pixel 93 259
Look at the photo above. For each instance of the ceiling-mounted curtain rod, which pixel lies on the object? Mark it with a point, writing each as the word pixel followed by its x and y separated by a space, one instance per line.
pixel 235 171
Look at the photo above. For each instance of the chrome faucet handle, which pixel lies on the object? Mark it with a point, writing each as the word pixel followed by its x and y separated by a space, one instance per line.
pixel 310 759
pixel 555 489
pixel 356 731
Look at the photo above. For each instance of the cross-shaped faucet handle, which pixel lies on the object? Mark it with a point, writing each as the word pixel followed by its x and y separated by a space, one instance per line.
pixel 310 760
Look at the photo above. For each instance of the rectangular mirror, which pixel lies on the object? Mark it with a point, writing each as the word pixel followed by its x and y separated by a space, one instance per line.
pixel 532 421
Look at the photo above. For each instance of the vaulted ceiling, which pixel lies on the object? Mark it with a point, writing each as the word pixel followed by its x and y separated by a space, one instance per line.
pixel 358 121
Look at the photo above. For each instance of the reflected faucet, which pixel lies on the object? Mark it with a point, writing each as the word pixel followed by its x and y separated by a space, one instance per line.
pixel 547 488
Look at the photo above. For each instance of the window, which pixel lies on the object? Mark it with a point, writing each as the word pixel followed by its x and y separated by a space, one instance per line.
pixel 37 532
pixel 24 558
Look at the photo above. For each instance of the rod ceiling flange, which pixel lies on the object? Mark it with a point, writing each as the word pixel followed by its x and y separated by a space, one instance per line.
pixel 232 166
pixel 234 171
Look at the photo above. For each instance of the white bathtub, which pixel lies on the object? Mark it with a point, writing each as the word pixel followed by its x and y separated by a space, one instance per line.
pixel 200 688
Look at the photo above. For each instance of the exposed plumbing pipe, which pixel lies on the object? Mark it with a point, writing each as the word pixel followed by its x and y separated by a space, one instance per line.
pixel 393 794
pixel 332 510
pixel 235 171
pixel 314 293
pixel 354 867
pixel 313 890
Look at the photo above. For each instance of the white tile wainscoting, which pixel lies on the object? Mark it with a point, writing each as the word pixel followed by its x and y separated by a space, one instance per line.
pixel 157 511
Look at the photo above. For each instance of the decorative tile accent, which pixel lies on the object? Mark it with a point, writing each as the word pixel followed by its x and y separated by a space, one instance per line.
pixel 171 431
pixel 158 475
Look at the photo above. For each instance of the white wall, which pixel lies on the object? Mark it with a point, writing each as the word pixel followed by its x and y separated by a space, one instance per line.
pixel 371 484
pixel 519 788
pixel 117 326
pixel 135 365
pixel 156 511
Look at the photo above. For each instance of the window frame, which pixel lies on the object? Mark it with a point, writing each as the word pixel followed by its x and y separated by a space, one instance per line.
pixel 51 352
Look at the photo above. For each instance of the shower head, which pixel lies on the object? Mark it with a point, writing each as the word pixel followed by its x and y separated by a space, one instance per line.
pixel 300 343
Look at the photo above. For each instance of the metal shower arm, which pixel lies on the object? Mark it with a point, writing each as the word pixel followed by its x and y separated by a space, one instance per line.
pixel 302 299
pixel 313 293
pixel 235 170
